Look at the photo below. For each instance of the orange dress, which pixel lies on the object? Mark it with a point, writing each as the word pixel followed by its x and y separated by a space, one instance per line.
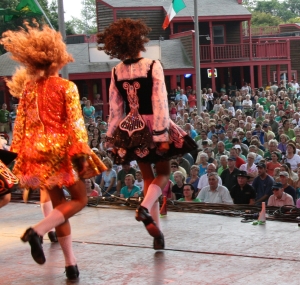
pixel 49 135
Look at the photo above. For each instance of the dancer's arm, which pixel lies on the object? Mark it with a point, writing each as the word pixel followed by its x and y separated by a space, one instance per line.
pixel 160 105
pixel 116 107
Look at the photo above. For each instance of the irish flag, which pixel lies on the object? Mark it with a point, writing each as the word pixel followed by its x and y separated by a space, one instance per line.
pixel 177 5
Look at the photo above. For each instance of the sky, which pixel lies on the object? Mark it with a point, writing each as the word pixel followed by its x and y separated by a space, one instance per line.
pixel 72 8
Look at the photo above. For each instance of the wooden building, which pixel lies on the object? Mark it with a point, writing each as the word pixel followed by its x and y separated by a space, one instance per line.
pixel 227 45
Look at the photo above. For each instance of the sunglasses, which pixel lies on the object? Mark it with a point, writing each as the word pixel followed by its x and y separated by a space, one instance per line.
pixel 174 166
pixel 275 189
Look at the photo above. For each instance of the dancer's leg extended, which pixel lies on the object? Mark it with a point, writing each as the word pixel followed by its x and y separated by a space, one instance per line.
pixel 4 200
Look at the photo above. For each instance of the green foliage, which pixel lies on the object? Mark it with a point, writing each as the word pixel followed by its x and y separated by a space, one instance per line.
pixel 268 12
pixel 87 24
pixel 265 19
pixel 16 22
pixel 294 20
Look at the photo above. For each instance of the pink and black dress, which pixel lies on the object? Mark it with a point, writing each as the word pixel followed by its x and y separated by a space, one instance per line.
pixel 139 115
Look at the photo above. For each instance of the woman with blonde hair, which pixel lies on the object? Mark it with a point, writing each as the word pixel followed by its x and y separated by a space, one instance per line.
pixel 49 135
pixel 145 131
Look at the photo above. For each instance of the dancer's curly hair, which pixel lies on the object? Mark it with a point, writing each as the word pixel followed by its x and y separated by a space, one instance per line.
pixel 124 38
pixel 41 50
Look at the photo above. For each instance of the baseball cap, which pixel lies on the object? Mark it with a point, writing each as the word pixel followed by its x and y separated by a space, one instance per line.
pixel 237 146
pixel 265 125
pixel 284 173
pixel 220 132
pixel 277 185
pixel 232 158
pixel 262 165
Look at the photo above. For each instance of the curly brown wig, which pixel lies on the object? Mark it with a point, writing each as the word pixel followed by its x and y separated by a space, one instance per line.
pixel 124 39
pixel 41 50
pixel 17 83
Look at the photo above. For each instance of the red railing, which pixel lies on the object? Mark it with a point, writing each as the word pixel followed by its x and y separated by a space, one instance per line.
pixel 261 31
pixel 274 50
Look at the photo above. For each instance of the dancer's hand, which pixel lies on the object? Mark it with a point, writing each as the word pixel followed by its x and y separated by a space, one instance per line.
pixel 164 146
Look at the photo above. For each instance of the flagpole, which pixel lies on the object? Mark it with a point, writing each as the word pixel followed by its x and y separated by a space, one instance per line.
pixel 197 59
pixel 44 14
pixel 62 29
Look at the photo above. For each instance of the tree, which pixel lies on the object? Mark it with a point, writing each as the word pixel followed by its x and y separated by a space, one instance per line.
pixel 87 24
pixel 294 20
pixel 265 19
pixel 51 12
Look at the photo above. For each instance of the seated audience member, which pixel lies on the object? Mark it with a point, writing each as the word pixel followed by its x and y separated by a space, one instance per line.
pixel 194 178
pixel 175 167
pixel 272 146
pixel 203 163
pixel 189 194
pixel 90 188
pixel 129 190
pixel 238 161
pixel 243 193
pixel 108 182
pixel 271 165
pixel 250 167
pixel 203 181
pixel 284 176
pixel 258 157
pixel 214 192
pixel 223 164
pixel 139 180
pixel 262 184
pixel 229 175
pixel 184 163
pixel 177 189
pixel 126 169
pixel 279 197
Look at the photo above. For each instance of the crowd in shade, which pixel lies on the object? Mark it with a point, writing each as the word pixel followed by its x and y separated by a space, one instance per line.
pixel 248 147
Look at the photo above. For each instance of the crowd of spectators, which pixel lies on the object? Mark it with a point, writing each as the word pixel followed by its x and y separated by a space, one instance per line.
pixel 248 147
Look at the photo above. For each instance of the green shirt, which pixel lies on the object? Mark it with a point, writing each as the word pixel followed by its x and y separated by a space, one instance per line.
pixel 4 115
pixel 221 169
pixel 194 200
pixel 290 133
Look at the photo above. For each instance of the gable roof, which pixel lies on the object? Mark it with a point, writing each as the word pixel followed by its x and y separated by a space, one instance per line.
pixel 172 53
pixel 205 7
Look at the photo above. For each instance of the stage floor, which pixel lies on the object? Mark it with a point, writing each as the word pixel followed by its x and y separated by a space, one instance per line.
pixel 113 248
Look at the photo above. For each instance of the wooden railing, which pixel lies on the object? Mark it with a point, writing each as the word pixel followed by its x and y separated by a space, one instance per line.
pixel 274 50
pixel 261 31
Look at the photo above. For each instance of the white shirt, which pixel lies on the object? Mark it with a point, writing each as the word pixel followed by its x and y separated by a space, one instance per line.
pixel 203 181
pixel 294 161
pixel 139 184
pixel 247 103
pixel 220 195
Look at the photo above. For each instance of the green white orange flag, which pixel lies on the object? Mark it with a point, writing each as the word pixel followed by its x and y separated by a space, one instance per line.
pixel 177 5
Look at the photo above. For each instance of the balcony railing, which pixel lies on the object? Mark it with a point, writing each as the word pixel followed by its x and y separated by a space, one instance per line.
pixel 274 50
pixel 261 31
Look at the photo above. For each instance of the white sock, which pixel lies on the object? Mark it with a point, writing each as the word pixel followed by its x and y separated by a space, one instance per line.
pixel 54 219
pixel 46 210
pixel 66 246
pixel 154 212
pixel 152 195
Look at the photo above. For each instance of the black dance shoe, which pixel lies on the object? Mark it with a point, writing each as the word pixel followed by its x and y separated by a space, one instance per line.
pixel 159 243
pixel 143 215
pixel 72 272
pixel 35 242
pixel 52 236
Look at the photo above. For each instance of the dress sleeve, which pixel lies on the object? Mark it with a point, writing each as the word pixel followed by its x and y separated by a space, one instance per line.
pixel 159 105
pixel 77 130
pixel 19 128
pixel 116 106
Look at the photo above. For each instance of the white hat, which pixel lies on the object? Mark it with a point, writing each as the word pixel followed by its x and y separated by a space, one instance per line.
pixel 95 149
pixel 237 146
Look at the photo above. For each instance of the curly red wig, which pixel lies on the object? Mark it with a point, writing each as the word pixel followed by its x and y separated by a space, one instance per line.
pixel 124 38
pixel 41 50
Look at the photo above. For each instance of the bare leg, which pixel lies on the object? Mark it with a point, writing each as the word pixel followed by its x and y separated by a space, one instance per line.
pixel 4 200
pixel 46 208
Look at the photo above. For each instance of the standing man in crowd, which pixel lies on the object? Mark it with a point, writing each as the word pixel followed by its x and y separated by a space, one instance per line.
pixel 98 104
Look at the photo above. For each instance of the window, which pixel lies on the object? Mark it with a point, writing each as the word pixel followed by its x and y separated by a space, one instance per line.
pixel 218 35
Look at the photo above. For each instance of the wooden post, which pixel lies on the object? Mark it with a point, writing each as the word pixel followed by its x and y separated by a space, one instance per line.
pixel 259 74
pixel 252 79
pixel 268 74
pixel 278 74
